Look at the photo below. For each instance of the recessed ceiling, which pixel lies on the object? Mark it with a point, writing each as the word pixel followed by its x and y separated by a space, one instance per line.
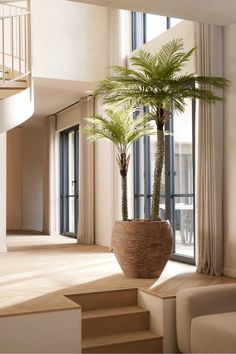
pixel 221 12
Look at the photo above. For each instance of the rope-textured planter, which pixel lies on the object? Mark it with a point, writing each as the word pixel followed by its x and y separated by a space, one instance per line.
pixel 143 247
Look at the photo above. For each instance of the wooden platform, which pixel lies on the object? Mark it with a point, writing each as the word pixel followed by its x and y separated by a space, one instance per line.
pixel 38 270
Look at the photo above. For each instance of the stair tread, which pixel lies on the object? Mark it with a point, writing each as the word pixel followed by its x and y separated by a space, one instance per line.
pixel 119 339
pixel 112 311
pixel 105 299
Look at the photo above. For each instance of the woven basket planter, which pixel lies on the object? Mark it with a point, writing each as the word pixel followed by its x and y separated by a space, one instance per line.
pixel 143 247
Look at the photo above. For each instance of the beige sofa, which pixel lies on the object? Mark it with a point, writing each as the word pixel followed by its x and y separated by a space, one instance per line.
pixel 206 319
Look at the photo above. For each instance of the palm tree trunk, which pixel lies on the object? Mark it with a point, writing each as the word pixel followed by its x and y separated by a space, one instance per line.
pixel 124 205
pixel 159 160
pixel 123 161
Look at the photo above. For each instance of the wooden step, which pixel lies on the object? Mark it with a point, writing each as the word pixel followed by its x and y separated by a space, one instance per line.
pixel 133 342
pixel 114 321
pixel 105 299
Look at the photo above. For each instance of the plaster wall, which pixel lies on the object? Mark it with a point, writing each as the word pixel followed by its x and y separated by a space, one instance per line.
pixel 14 179
pixel 32 177
pixel 47 332
pixel 184 30
pixel 25 179
pixel 68 40
pixel 107 177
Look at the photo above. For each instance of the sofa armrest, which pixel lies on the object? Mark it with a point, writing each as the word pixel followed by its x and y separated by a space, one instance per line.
pixel 200 301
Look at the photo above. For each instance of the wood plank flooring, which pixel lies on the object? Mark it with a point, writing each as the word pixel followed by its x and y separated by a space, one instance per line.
pixel 38 270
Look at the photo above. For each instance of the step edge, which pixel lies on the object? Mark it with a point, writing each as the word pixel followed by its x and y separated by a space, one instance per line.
pixel 152 336
pixel 110 314
pixel 102 291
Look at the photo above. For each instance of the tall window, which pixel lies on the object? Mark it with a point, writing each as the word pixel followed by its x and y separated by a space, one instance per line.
pixel 69 151
pixel 177 186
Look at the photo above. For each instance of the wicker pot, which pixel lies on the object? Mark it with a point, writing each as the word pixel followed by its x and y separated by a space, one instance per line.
pixel 143 247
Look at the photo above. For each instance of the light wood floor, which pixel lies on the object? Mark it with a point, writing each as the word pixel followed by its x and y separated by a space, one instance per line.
pixel 38 269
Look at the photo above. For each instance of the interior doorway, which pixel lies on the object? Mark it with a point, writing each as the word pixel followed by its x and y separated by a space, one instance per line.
pixel 69 181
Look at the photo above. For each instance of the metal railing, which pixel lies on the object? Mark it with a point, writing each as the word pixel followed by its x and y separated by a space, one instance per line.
pixel 15 46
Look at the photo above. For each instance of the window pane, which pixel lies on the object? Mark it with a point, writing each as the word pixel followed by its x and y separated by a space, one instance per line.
pixel 71 163
pixel 138 28
pixel 175 21
pixel 183 154
pixel 162 207
pixel 140 212
pixel 139 156
pixel 155 25
pixel 184 226
pixel 71 214
pixel 69 166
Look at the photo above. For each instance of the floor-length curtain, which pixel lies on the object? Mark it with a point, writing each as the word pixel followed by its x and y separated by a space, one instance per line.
pixel 86 177
pixel 209 165
pixel 51 177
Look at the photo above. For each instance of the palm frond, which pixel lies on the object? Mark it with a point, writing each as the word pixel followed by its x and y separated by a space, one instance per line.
pixel 119 127
pixel 156 78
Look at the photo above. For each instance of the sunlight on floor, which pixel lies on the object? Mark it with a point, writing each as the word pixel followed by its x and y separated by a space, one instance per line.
pixel 38 267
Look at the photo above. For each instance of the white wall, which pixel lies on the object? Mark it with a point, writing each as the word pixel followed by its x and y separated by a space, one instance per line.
pixel 70 40
pixel 229 191
pixel 14 179
pixel 25 179
pixel 184 30
pixel 107 177
pixel 32 178
pixel 3 192
pixel 42 332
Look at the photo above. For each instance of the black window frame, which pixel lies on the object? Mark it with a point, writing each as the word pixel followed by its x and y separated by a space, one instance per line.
pixel 64 193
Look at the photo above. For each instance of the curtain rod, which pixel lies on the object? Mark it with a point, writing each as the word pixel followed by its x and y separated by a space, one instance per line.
pixel 64 109
pixel 71 105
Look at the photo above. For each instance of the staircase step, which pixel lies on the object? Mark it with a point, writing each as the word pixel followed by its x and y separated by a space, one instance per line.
pixel 114 320
pixel 133 342
pixel 105 299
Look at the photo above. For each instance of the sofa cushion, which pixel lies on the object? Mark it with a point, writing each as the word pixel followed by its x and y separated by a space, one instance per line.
pixel 214 333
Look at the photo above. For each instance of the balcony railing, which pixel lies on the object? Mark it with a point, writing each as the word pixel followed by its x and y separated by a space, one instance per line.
pixel 15 48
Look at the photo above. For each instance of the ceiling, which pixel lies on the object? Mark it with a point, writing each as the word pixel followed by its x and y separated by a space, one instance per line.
pixel 221 12
pixel 52 95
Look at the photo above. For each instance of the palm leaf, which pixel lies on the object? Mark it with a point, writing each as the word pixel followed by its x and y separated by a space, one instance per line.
pixel 119 127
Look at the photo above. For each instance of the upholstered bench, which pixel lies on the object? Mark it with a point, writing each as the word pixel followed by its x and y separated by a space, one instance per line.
pixel 206 319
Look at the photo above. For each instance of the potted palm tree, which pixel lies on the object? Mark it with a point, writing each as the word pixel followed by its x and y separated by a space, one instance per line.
pixel 155 80
pixel 122 130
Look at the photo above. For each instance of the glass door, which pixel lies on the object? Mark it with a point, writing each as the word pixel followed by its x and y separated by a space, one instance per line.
pixel 69 152
pixel 180 182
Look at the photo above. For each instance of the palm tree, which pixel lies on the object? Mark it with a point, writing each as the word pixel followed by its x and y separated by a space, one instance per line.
pixel 156 81
pixel 122 130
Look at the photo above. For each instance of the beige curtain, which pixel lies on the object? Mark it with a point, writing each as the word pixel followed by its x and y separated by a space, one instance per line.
pixel 51 177
pixel 86 177
pixel 52 127
pixel 209 164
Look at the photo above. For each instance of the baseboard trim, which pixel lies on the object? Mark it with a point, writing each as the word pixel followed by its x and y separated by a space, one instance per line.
pixel 230 272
